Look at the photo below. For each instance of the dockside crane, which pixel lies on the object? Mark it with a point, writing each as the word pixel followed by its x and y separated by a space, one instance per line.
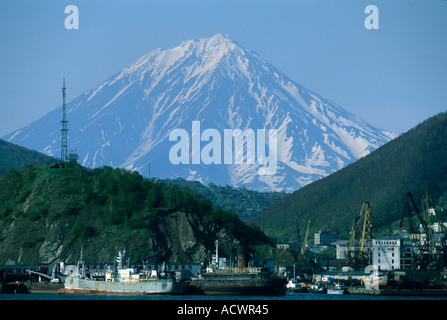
pixel 427 253
pixel 429 208
pixel 437 232
pixel 415 234
pixel 407 214
pixel 359 247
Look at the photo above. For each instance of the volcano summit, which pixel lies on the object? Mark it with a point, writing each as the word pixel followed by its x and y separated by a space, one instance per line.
pixel 127 120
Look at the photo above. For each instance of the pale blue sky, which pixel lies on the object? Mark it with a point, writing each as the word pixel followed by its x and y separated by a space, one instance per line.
pixel 393 77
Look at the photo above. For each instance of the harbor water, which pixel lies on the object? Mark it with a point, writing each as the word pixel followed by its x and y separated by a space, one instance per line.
pixel 216 307
pixel 286 297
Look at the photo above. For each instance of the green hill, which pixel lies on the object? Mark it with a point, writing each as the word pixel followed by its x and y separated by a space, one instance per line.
pixel 415 161
pixel 48 214
pixel 13 156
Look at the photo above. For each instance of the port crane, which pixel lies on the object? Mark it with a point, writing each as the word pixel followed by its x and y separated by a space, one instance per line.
pixel 429 208
pixel 428 253
pixel 359 247
pixel 406 213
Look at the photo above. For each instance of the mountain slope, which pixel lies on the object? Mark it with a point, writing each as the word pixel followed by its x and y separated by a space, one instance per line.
pixel 415 162
pixel 13 156
pixel 127 120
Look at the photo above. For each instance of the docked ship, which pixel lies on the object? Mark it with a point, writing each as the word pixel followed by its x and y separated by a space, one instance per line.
pixel 122 280
pixel 293 286
pixel 239 280
pixel 336 288
pixel 376 280
pixel 222 282
pixel 317 288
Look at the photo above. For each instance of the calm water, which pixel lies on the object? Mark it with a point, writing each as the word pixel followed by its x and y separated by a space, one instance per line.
pixel 213 307
pixel 287 297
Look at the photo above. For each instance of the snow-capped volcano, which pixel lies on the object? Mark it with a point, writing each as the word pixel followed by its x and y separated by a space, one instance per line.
pixel 212 85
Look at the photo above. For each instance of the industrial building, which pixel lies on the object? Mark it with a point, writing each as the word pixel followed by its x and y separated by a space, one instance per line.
pixel 386 253
pixel 324 238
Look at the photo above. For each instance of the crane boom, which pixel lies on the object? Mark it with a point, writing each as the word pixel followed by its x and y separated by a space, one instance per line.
pixel 305 237
pixel 359 247
pixel 418 213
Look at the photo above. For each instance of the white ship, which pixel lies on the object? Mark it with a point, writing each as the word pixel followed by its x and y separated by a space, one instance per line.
pixel 336 288
pixel 122 281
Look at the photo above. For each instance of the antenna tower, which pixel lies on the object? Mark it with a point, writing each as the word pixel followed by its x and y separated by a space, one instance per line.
pixel 64 129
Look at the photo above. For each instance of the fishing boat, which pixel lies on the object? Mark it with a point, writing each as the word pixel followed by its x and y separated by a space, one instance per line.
pixel 336 288
pixel 317 288
pixel 293 286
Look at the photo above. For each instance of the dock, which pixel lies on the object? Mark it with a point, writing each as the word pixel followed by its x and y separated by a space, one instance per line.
pixel 398 292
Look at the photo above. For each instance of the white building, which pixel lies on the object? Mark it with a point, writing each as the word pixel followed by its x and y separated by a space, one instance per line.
pixel 386 253
pixel 341 249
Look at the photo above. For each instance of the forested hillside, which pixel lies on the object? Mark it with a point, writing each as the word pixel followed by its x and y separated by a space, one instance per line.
pixel 243 202
pixel 415 161
pixel 48 214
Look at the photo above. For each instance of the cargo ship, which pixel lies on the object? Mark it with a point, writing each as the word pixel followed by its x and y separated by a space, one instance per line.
pixel 240 280
pixel 236 283
pixel 122 281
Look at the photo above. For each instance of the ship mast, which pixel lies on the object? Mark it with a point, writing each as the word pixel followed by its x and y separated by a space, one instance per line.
pixel 217 252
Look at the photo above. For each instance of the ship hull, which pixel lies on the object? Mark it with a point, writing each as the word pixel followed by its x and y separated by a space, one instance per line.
pixel 153 286
pixel 231 286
